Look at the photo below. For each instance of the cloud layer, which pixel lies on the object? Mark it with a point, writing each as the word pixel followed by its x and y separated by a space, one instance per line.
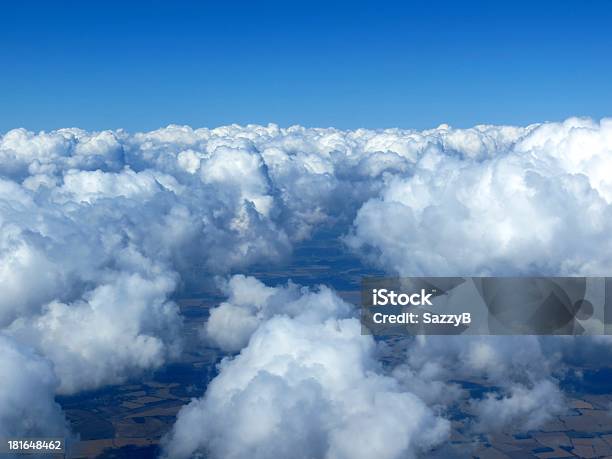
pixel 98 230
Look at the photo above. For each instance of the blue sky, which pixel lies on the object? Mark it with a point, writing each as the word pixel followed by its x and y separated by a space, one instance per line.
pixel 138 65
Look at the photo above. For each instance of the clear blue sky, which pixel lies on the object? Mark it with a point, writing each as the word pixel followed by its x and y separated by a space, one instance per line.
pixel 138 65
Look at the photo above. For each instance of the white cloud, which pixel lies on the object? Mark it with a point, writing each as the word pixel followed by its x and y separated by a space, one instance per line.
pixel 505 202
pixel 250 303
pixel 517 376
pixel 95 225
pixel 306 385
pixel 118 329
pixel 27 405
pixel 539 206
pixel 526 407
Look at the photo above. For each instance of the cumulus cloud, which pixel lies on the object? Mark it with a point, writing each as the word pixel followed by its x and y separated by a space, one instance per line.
pixel 526 407
pixel 27 406
pixel 250 302
pixel 518 377
pixel 495 201
pixel 98 230
pixel 98 233
pixel 541 206
pixel 307 384
pixel 116 330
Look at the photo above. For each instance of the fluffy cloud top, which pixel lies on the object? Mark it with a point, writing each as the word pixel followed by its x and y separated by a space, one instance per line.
pixel 250 303
pixel 541 205
pixel 306 385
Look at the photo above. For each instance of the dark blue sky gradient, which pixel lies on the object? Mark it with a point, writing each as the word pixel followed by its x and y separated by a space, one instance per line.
pixel 143 65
